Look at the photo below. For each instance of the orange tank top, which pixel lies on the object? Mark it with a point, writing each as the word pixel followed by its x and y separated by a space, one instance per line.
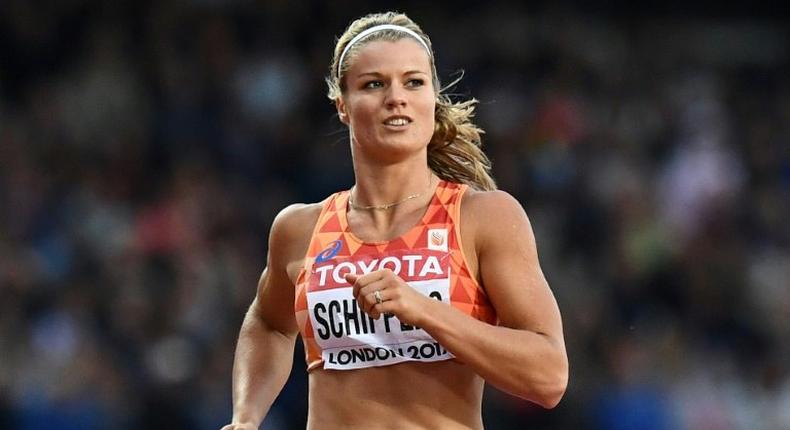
pixel 429 257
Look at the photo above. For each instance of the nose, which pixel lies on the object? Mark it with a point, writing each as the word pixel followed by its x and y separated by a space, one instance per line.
pixel 396 96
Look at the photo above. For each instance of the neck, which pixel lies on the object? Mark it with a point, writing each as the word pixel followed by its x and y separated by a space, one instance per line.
pixel 380 186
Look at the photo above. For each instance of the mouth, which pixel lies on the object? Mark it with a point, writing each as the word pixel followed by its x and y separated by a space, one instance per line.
pixel 397 121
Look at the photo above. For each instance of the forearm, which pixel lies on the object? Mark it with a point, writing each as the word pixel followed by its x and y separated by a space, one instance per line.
pixel 262 364
pixel 524 363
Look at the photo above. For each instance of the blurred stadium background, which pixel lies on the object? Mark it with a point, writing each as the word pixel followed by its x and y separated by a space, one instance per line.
pixel 145 147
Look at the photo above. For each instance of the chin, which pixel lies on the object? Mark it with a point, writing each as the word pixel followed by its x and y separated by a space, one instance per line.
pixel 406 140
pixel 391 145
pixel 393 150
pixel 402 145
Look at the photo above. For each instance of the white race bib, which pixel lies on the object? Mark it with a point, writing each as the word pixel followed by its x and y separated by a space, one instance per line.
pixel 349 338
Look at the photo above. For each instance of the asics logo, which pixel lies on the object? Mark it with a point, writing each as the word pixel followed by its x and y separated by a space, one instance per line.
pixel 329 252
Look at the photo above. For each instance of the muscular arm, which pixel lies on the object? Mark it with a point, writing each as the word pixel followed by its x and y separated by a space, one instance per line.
pixel 264 352
pixel 262 363
pixel 525 354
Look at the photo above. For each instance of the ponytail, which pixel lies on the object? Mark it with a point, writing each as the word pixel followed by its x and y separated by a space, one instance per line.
pixel 454 152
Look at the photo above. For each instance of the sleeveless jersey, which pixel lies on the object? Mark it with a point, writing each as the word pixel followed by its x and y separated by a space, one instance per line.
pixel 429 257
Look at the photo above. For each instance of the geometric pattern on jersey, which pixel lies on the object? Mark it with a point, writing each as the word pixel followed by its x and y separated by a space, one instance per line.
pixel 443 212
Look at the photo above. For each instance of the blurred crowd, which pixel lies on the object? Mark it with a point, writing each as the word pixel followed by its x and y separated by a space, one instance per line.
pixel 145 147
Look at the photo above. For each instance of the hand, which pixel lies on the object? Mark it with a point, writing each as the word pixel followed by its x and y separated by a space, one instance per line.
pixel 397 297
pixel 239 427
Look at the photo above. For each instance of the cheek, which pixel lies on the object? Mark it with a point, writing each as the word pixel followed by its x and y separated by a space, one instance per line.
pixel 427 103
pixel 428 109
pixel 359 113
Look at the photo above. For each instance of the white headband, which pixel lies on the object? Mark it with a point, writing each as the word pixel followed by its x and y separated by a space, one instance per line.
pixel 374 29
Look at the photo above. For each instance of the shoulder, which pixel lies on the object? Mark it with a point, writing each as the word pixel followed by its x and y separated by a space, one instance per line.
pixel 491 214
pixel 292 229
pixel 296 220
pixel 489 205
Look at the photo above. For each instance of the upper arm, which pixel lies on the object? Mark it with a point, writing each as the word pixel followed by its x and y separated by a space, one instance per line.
pixel 508 265
pixel 288 240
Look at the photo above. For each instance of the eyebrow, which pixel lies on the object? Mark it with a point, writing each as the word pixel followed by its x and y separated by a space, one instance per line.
pixel 377 74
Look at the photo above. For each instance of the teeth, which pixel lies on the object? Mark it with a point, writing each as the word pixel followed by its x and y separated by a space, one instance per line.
pixel 397 121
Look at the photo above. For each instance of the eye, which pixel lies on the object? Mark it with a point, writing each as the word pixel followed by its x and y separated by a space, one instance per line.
pixel 373 84
pixel 415 83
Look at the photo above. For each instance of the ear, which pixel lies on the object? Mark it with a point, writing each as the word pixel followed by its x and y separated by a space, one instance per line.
pixel 340 105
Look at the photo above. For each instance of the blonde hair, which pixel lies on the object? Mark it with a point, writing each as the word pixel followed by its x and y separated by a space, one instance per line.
pixel 454 152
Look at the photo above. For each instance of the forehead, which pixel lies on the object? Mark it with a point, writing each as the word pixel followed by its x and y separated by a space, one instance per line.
pixel 384 55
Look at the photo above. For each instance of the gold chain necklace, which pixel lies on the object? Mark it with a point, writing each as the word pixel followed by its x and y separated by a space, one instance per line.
pixel 385 206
